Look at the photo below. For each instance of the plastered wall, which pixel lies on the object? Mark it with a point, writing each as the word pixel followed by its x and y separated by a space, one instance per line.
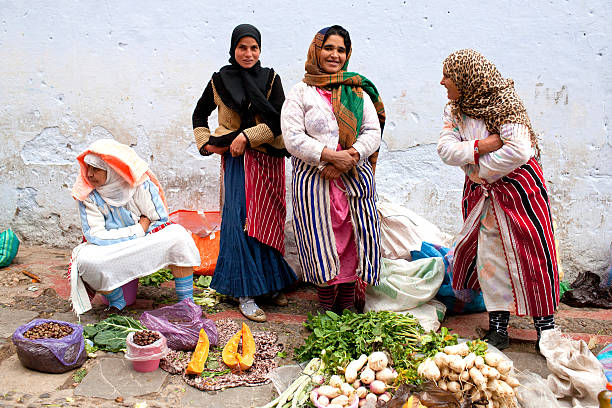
pixel 73 72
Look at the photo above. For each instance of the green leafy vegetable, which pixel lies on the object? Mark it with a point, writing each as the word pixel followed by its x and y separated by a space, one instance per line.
pixel 433 342
pixel 110 333
pixel 478 347
pixel 210 374
pixel 157 278
pixel 339 339
pixel 203 281
pixel 79 374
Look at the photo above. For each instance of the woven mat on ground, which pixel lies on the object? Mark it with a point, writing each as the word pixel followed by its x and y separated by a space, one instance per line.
pixel 266 350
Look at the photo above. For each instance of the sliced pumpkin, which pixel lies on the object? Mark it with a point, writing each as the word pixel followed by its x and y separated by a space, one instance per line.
pixel 198 359
pixel 248 348
pixel 230 354
pixel 230 351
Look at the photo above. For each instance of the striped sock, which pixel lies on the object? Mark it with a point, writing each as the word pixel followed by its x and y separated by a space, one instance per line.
pixel 326 296
pixel 543 323
pixel 498 321
pixel 116 299
pixel 184 287
pixel 345 299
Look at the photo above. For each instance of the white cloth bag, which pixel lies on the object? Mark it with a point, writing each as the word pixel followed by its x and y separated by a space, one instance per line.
pixel 403 231
pixel 405 285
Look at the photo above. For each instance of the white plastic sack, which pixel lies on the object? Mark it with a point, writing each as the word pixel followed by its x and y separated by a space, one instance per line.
pixel 429 315
pixel 576 372
pixel 403 231
pixel 405 285
pixel 534 392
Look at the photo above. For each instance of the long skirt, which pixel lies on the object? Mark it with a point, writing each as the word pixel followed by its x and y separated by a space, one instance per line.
pixel 245 266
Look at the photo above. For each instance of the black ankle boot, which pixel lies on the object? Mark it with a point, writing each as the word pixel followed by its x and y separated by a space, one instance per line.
pixel 497 340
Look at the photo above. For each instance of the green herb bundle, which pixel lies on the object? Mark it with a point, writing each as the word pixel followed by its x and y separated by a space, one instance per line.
pixel 157 278
pixel 110 333
pixel 430 344
pixel 349 335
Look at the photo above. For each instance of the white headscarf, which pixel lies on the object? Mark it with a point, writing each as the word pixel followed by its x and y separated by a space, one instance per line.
pixel 116 191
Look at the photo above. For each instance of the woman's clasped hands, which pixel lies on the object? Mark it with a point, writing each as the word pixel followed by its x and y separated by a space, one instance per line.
pixel 338 162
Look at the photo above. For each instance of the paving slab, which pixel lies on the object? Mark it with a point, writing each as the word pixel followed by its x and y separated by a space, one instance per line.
pixel 529 361
pixel 114 377
pixel 73 318
pixel 11 319
pixel 243 397
pixel 16 377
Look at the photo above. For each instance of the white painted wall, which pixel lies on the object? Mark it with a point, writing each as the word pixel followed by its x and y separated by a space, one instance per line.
pixel 75 71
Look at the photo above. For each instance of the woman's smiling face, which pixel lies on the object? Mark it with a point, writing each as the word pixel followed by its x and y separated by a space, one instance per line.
pixel 247 52
pixel 333 54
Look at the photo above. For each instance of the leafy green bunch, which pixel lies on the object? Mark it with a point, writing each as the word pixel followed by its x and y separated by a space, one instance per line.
pixel 110 333
pixel 430 344
pixel 338 339
pixel 157 278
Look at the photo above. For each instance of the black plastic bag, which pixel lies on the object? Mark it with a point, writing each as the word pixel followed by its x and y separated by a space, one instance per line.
pixel 51 355
pixel 587 292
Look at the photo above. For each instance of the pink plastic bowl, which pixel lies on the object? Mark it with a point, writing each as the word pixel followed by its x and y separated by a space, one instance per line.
pixel 130 290
pixel 146 366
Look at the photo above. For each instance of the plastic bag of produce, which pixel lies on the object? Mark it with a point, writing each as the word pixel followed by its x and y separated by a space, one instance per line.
pixel 405 285
pixel 180 324
pixel 135 352
pixel 50 355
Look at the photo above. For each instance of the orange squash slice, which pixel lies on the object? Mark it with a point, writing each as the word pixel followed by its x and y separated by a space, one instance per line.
pixel 198 359
pixel 230 354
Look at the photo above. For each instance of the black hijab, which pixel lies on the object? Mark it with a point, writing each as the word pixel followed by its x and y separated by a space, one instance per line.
pixel 244 90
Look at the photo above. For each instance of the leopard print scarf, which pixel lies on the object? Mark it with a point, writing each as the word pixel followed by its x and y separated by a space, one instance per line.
pixel 485 94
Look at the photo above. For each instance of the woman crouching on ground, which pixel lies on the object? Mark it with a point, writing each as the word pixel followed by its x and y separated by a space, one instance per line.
pixel 331 123
pixel 248 98
pixel 506 246
pixel 125 225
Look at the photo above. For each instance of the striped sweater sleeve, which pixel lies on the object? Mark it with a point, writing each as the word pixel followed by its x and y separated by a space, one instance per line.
pixel 147 199
pixel 94 226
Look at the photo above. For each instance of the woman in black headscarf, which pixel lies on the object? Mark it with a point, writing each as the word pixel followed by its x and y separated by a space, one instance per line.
pixel 249 100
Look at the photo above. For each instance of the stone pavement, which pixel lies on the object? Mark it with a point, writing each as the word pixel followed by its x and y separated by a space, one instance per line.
pixel 110 380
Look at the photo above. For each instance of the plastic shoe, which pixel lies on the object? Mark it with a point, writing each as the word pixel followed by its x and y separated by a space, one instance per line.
pixel 257 316
pixel 497 340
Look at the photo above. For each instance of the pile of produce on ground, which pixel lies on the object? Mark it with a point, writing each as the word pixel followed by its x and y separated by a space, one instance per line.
pixel 110 333
pixel 145 337
pixel 48 330
pixel 245 360
pixel 361 360
pixel 50 346
pixel 472 374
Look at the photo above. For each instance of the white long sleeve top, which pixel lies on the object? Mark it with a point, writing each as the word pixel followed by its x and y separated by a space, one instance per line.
pixel 457 140
pixel 309 125
pixel 104 224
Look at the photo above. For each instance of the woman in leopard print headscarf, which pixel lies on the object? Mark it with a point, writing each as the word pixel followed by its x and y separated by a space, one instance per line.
pixel 506 246
pixel 485 94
